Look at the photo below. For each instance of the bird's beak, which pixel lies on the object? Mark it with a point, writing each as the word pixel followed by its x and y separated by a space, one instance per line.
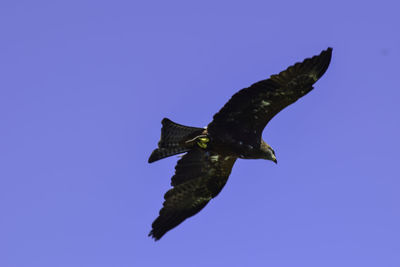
pixel 274 160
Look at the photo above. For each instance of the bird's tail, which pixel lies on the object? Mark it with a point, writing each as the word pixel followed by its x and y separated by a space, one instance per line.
pixel 173 139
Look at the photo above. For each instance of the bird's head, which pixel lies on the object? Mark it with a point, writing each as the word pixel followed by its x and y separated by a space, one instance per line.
pixel 268 152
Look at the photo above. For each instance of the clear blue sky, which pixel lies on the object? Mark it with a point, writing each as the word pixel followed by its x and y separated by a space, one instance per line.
pixel 85 84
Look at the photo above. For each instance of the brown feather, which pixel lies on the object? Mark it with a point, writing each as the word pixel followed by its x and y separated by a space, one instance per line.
pixel 199 177
pixel 247 113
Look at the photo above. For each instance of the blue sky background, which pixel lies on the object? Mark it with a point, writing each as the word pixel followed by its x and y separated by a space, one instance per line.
pixel 85 84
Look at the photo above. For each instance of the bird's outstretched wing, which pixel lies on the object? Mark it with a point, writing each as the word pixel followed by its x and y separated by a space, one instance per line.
pixel 200 175
pixel 247 113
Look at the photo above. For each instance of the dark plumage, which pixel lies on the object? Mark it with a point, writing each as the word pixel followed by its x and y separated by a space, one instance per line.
pixel 235 132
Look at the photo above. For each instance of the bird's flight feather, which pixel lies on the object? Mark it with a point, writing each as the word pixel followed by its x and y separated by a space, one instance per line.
pixel 247 113
pixel 200 175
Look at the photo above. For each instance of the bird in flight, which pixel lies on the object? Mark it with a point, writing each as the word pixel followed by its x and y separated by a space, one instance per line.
pixel 235 132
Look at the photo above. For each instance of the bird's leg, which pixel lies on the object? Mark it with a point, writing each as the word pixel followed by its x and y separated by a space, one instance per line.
pixel 201 141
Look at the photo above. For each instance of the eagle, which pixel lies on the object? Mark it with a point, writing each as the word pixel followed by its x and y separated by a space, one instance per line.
pixel 235 132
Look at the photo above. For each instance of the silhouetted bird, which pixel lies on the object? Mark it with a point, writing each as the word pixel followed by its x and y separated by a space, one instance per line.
pixel 235 132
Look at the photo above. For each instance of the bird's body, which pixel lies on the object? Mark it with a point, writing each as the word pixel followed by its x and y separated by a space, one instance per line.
pixel 235 132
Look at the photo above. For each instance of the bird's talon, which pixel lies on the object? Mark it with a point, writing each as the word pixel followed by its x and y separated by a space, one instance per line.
pixel 204 139
pixel 202 145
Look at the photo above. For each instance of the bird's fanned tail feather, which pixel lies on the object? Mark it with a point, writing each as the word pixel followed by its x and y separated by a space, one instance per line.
pixel 172 139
